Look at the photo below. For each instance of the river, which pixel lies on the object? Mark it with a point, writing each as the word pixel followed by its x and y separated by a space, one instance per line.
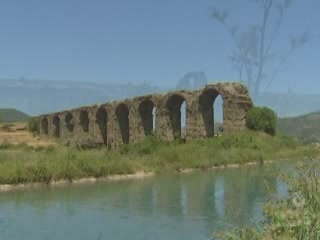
pixel 186 206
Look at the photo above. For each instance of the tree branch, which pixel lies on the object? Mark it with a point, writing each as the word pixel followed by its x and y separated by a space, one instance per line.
pixel 275 30
pixel 282 62
pixel 221 18
pixel 267 7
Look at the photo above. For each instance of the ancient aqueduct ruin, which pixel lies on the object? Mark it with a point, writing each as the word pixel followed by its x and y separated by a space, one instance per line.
pixel 130 120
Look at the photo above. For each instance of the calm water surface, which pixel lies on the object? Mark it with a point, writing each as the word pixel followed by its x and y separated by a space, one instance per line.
pixel 188 206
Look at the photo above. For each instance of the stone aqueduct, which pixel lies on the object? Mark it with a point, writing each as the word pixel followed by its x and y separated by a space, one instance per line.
pixel 130 120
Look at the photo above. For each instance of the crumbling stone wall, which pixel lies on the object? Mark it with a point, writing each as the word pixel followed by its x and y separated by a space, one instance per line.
pixel 131 120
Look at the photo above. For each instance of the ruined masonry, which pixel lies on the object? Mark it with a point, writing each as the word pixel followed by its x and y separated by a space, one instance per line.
pixel 130 120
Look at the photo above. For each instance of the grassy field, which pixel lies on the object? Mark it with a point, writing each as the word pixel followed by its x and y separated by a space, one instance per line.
pixel 23 164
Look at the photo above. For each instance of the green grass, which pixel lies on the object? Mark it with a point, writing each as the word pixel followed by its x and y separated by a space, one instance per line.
pixel 12 115
pixel 22 164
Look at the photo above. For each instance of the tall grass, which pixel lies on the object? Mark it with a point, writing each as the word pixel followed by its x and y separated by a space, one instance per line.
pixel 22 164
pixel 295 217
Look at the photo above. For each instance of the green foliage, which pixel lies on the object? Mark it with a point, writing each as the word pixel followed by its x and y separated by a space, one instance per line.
pixel 262 119
pixel 5 145
pixel 295 217
pixel 33 125
pixel 44 164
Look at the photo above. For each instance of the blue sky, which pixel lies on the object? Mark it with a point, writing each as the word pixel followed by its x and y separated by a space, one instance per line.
pixel 143 40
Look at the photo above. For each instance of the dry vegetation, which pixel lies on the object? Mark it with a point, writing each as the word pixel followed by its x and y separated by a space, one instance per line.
pixel 17 133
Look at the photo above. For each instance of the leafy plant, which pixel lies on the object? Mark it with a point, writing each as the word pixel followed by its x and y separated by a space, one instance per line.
pixel 262 119
pixel 33 125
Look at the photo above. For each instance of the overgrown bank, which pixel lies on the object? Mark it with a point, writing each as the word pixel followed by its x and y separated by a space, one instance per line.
pixel 296 216
pixel 22 164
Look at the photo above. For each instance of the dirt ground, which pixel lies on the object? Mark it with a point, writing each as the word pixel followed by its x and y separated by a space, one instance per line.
pixel 17 133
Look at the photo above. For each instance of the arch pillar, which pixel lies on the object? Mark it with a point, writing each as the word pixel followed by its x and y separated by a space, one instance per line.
pixel 119 125
pixel 168 122
pixel 102 126
pixel 44 125
pixel 142 117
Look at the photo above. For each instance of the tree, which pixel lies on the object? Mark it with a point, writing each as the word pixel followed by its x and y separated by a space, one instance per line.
pixel 254 52
pixel 262 119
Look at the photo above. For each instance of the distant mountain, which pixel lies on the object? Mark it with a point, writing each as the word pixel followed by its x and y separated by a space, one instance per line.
pixel 13 115
pixel 305 127
pixel 288 104
pixel 38 96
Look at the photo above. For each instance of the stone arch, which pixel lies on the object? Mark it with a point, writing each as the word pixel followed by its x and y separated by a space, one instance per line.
pixel 173 105
pixel 122 113
pixel 102 121
pixel 45 126
pixel 206 102
pixel 56 124
pixel 84 120
pixel 69 121
pixel 147 114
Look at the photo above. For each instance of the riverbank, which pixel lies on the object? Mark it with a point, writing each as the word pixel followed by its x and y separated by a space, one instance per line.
pixel 294 215
pixel 22 164
pixel 117 177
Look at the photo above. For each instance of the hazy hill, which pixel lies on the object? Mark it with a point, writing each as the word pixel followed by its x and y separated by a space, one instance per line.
pixel 13 115
pixel 305 127
pixel 289 104
pixel 39 96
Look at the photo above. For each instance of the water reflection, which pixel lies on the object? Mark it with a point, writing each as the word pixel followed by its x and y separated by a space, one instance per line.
pixel 167 207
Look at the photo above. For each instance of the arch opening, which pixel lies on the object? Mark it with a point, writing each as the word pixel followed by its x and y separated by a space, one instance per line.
pixel 177 107
pixel 147 112
pixel 154 115
pixel 183 111
pixel 102 121
pixel 56 124
pixel 45 126
pixel 218 115
pixel 211 106
pixel 122 113
pixel 69 122
pixel 84 120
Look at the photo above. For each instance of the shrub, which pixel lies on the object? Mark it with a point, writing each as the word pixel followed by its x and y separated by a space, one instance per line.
pixel 262 119
pixel 33 125
pixel 6 128
pixel 149 145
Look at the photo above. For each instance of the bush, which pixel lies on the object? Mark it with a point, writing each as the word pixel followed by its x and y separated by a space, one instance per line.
pixel 33 125
pixel 7 128
pixel 262 119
